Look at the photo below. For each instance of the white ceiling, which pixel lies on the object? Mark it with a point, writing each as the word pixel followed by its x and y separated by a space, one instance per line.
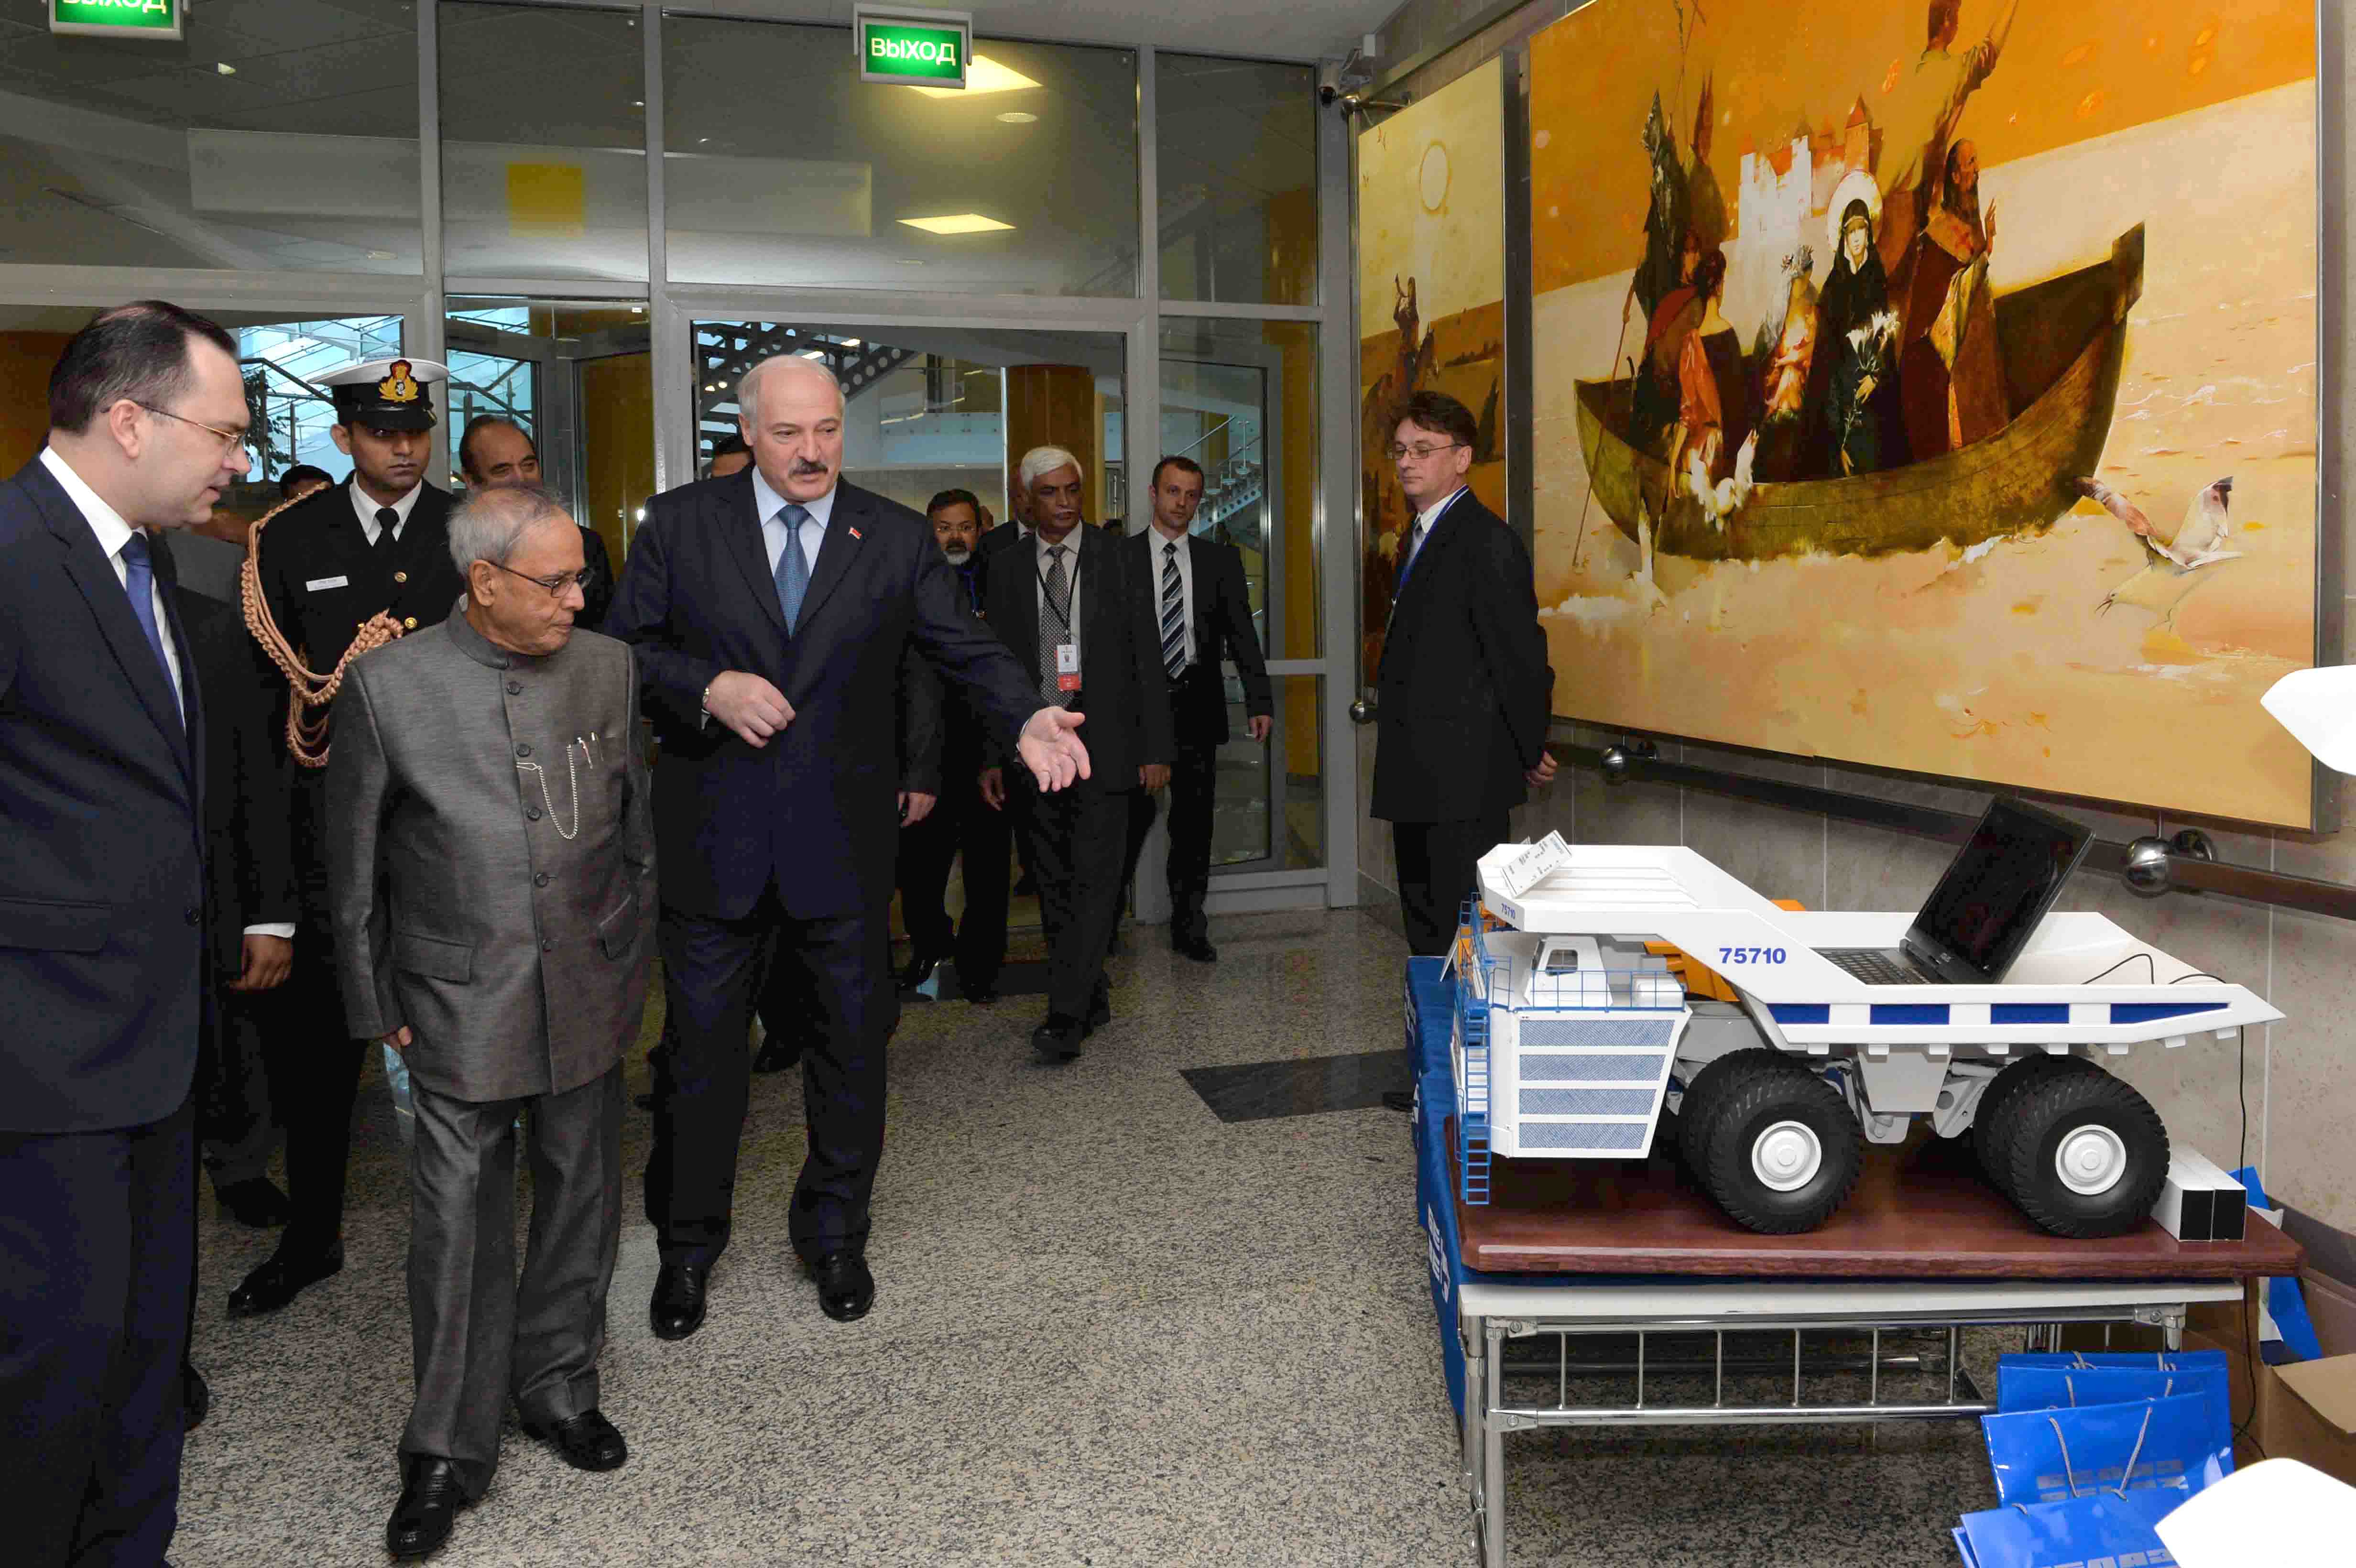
pixel 1272 30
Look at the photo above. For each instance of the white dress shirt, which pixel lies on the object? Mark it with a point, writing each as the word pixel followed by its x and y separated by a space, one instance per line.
pixel 1162 543
pixel 113 533
pixel 366 506
pixel 1425 521
pixel 1040 565
pixel 771 507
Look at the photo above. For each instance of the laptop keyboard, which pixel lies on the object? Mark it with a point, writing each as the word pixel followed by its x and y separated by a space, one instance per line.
pixel 1877 966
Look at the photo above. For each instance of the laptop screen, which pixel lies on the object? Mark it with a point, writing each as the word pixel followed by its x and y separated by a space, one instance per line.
pixel 1998 887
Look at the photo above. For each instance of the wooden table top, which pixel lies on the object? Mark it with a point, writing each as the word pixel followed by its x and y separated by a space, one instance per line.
pixel 1920 1211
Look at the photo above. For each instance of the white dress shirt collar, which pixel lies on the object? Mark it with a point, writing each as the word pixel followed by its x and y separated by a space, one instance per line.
pixel 1431 514
pixel 767 503
pixel 364 506
pixel 105 521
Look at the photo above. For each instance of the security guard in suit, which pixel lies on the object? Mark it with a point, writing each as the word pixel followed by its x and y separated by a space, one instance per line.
pixel 328 565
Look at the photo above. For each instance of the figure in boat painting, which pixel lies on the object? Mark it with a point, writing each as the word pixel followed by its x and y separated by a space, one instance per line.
pixel 1855 393
pixel 1951 368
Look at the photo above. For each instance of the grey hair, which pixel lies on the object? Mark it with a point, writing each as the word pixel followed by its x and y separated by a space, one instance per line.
pixel 1042 460
pixel 748 384
pixel 491 522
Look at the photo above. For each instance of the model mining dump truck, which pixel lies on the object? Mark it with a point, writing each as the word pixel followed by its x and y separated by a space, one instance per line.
pixel 1572 1036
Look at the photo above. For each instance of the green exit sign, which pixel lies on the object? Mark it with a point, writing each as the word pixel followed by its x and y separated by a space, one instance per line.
pixel 117 19
pixel 914 49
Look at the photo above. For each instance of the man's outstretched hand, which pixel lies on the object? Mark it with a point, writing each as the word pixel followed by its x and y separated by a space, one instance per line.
pixel 1051 749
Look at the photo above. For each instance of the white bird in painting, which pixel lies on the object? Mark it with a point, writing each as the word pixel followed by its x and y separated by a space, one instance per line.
pixel 1727 496
pixel 2199 543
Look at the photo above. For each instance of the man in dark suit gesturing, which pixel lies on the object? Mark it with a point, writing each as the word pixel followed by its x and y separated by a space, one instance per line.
pixel 1201 612
pixel 771 610
pixel 1464 687
pixel 1068 601
pixel 102 933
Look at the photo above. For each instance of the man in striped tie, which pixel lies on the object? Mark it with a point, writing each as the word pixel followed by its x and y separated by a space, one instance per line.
pixel 1203 613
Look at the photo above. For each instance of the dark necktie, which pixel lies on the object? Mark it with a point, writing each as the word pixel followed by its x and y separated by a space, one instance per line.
pixel 1174 612
pixel 139 583
pixel 1054 626
pixel 387 520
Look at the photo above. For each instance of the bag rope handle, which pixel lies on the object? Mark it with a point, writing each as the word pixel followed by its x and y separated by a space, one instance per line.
pixel 307 715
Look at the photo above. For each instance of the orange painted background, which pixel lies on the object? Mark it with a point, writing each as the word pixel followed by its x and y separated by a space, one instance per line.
pixel 2068 73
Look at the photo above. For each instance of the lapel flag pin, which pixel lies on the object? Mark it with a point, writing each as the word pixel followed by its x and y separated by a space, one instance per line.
pixel 854 533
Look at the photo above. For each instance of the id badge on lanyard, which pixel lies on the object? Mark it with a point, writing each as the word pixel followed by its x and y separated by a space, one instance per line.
pixel 1067 667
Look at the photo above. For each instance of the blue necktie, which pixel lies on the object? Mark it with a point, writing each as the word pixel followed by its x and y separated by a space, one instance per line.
pixel 793 572
pixel 139 583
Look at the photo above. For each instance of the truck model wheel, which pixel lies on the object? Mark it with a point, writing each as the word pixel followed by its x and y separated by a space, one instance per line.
pixel 1783 1148
pixel 1992 1126
pixel 1693 1111
pixel 2087 1155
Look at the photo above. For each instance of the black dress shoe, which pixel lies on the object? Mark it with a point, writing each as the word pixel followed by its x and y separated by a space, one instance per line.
pixel 1058 1038
pixel 1099 1009
pixel 980 995
pixel 257 1203
pixel 919 970
pixel 1198 948
pixel 196 1396
pixel 280 1278
pixel 676 1309
pixel 431 1498
pixel 777 1055
pixel 845 1289
pixel 588 1441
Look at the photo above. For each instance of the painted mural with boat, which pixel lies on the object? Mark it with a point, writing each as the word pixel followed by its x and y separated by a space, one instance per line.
pixel 1868 436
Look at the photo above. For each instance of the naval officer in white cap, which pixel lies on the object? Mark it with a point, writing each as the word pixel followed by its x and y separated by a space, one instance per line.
pixel 327 566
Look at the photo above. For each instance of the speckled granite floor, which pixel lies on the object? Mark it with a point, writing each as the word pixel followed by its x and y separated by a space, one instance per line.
pixel 1109 1329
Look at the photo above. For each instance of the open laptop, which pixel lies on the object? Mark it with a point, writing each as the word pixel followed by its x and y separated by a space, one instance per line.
pixel 1984 909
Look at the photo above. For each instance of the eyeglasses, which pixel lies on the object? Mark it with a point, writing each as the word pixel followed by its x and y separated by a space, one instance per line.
pixel 555 585
pixel 229 438
pixel 1423 453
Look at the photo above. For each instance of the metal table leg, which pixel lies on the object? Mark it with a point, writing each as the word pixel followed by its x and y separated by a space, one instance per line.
pixel 1491 1501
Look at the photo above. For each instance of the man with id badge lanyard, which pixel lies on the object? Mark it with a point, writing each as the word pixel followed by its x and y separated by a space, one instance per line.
pixel 1067 602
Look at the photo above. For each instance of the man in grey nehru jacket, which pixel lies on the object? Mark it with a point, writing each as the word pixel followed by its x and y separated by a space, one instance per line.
pixel 492 870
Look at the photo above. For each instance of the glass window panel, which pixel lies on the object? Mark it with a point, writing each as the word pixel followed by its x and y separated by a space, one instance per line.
pixel 1236 156
pixel 544 166
pixel 1268 814
pixel 932 409
pixel 1239 397
pixel 578 377
pixel 275 138
pixel 780 167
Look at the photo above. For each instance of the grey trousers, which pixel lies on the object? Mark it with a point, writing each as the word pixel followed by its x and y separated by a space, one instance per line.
pixel 478 1334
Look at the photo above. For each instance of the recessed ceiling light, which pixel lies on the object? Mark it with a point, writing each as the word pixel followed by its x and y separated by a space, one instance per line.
pixel 1016 117
pixel 224 67
pixel 956 223
pixel 851 343
pixel 379 255
pixel 907 262
pixel 981 75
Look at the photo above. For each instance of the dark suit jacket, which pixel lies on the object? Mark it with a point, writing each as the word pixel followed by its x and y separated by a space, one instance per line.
pixel 1122 689
pixel 813 811
pixel 598 593
pixel 101 832
pixel 1223 627
pixel 248 832
pixel 1464 687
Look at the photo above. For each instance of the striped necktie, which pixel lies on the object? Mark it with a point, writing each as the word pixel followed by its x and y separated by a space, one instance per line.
pixel 1174 612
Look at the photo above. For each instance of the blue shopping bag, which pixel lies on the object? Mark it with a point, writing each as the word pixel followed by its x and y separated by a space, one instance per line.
pixel 2177 1445
pixel 2053 1388
pixel 2106 1528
